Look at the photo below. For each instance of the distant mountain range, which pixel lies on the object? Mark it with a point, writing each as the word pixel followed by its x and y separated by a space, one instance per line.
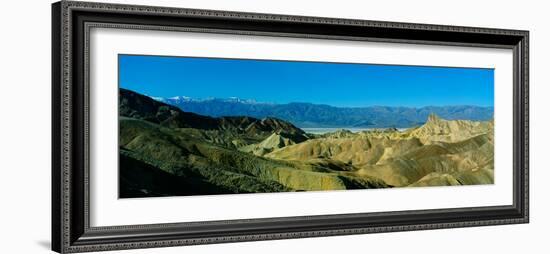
pixel 307 115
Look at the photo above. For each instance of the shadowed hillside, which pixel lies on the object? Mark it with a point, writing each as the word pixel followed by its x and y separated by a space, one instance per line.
pixel 165 151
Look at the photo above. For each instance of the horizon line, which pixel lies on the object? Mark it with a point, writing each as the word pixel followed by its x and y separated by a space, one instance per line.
pixel 196 99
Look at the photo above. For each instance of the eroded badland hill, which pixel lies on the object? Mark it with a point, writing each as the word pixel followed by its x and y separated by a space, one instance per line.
pixel 165 151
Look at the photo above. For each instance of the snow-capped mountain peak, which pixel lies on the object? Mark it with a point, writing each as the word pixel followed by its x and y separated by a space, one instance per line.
pixel 183 99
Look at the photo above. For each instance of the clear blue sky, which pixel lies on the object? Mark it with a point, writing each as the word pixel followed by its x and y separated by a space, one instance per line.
pixel 335 84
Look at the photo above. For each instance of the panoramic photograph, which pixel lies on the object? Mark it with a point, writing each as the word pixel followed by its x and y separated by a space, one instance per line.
pixel 205 126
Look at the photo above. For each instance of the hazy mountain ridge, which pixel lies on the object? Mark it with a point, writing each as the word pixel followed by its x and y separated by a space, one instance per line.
pixel 165 151
pixel 317 115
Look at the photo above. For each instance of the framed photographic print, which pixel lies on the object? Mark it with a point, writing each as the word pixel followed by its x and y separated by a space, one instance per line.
pixel 181 126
